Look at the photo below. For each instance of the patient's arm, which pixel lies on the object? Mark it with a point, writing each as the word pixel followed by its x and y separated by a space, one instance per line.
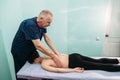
pixel 52 68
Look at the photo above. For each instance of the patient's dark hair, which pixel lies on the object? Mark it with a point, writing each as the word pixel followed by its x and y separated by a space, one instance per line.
pixel 33 56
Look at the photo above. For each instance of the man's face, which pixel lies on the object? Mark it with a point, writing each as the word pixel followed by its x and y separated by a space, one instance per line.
pixel 45 21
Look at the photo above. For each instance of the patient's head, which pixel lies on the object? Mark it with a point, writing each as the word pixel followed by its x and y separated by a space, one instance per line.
pixel 34 57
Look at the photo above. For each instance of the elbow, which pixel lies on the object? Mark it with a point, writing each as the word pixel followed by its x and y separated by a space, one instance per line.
pixel 43 67
pixel 37 46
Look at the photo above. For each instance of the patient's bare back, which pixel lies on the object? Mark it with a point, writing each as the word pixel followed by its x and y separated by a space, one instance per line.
pixel 49 61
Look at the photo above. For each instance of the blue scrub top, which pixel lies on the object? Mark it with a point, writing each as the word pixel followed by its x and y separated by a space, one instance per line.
pixel 22 44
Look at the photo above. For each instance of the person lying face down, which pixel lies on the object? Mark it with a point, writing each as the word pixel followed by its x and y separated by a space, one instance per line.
pixel 75 62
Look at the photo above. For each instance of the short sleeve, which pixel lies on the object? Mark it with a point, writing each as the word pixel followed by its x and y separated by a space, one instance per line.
pixel 30 31
pixel 45 30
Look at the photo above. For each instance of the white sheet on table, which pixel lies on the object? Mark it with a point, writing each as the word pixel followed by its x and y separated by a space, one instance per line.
pixel 31 71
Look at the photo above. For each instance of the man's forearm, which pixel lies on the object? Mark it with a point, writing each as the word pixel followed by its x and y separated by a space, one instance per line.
pixel 50 44
pixel 45 51
pixel 37 43
pixel 53 48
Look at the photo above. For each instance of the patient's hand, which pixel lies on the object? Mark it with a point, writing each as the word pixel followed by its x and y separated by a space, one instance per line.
pixel 78 69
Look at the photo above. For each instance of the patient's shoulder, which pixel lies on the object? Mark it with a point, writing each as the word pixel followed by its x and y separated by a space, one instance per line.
pixel 48 61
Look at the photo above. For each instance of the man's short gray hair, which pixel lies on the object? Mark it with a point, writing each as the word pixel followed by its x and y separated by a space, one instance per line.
pixel 45 12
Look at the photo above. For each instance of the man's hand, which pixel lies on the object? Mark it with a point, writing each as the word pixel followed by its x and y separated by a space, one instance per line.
pixel 57 53
pixel 78 69
pixel 57 61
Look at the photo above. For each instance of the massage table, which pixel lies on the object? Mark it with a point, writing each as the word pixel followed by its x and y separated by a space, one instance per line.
pixel 35 72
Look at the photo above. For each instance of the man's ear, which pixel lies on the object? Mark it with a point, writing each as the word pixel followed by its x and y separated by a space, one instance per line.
pixel 40 18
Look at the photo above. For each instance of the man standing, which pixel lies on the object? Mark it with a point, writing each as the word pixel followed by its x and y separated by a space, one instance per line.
pixel 27 40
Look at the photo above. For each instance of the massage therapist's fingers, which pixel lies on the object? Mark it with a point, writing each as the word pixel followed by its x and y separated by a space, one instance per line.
pixel 57 61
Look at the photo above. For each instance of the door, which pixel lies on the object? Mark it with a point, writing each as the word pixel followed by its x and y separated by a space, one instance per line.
pixel 112 36
pixel 86 25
